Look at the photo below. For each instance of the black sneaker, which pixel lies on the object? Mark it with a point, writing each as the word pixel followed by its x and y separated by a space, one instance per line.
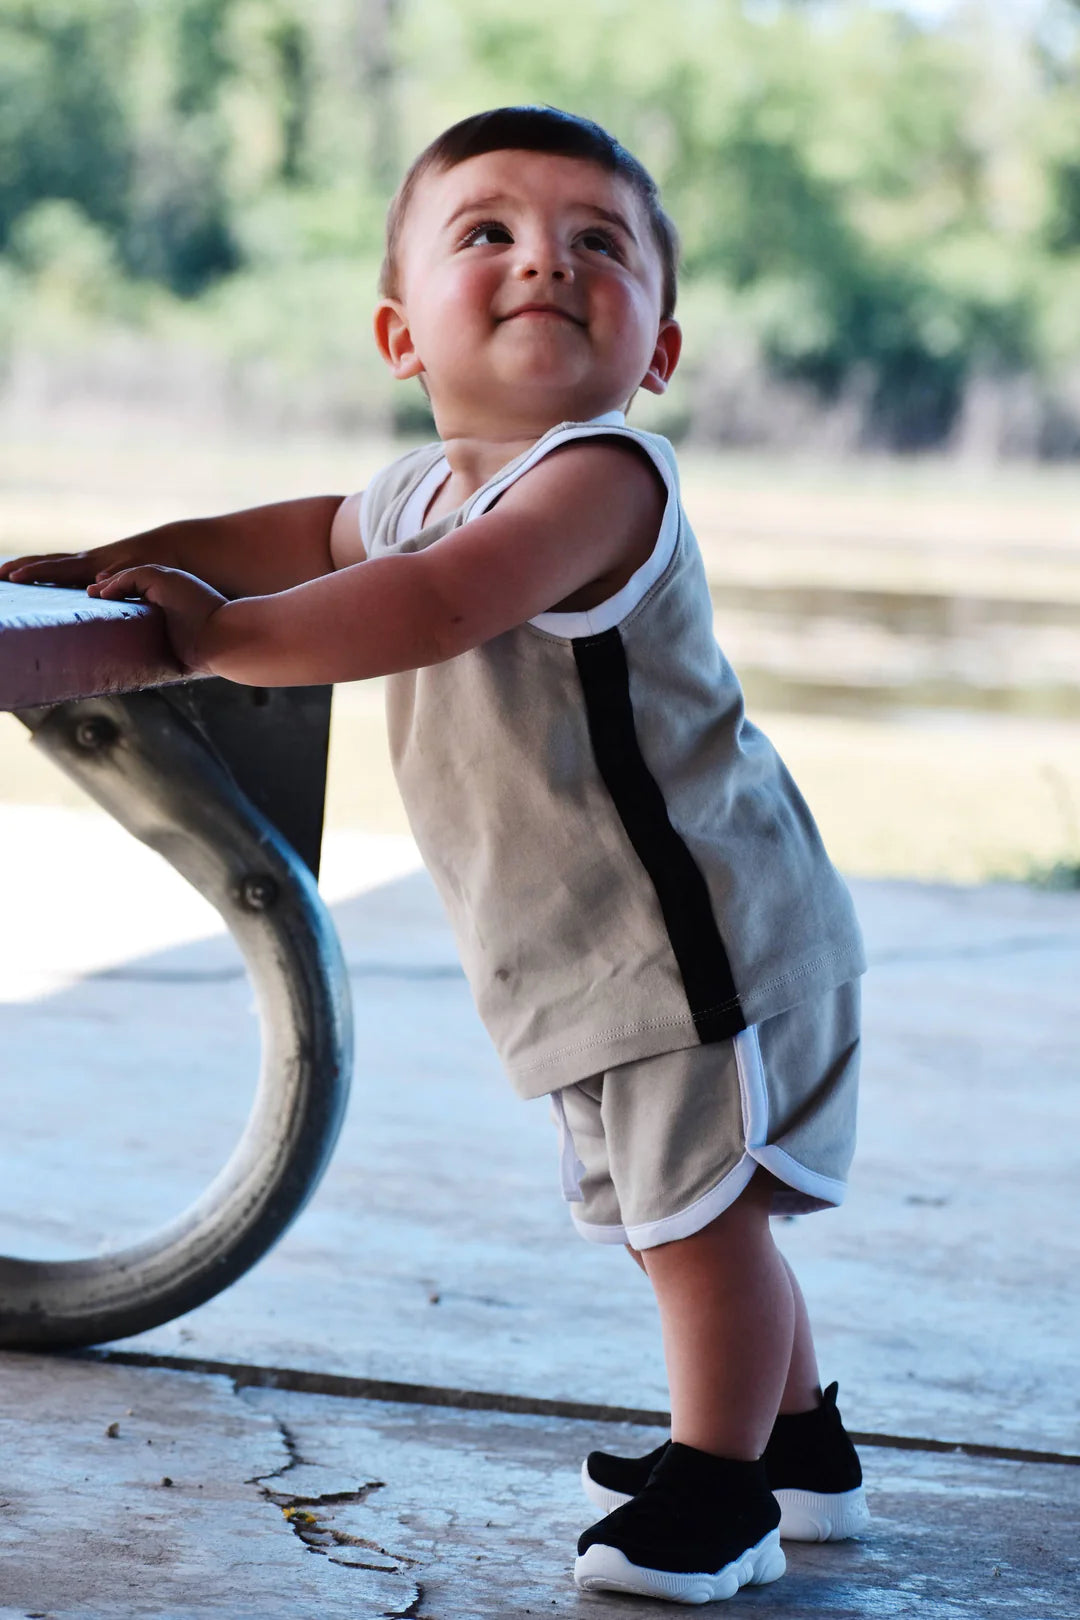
pixel 670 1541
pixel 812 1467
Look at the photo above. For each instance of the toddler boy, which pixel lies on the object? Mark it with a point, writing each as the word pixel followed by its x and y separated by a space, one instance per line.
pixel 650 926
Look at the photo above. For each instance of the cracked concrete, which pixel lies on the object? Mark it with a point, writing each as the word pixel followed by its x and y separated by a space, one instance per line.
pixel 88 1528
pixel 508 1500
pixel 317 1531
pixel 306 1507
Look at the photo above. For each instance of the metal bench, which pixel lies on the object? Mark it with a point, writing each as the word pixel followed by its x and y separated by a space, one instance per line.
pixel 227 783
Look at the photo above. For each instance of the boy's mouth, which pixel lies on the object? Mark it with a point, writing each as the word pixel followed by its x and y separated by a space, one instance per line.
pixel 530 310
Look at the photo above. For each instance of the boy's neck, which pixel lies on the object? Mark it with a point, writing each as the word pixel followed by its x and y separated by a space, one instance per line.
pixel 476 458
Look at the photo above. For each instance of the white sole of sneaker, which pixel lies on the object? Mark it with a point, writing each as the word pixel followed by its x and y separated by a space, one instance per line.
pixel 804 1515
pixel 606 1569
pixel 815 1516
pixel 599 1495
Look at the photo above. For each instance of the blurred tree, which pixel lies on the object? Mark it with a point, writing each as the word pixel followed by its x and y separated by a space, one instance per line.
pixel 885 211
pixel 378 68
pixel 203 61
pixel 1061 105
pixel 64 129
pixel 826 163
pixel 291 46
pixel 71 258
pixel 1063 223
pixel 178 229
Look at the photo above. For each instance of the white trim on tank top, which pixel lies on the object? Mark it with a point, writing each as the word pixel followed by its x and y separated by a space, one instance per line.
pixel 411 518
pixel 362 516
pixel 607 614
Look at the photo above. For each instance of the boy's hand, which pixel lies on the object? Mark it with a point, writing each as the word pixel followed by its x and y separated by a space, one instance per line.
pixel 75 568
pixel 258 551
pixel 188 603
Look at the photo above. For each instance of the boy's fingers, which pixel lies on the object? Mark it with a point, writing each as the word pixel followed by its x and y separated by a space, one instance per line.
pixel 59 568
pixel 13 563
pixel 127 581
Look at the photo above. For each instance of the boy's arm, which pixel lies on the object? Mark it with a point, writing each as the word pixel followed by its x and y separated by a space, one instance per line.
pixel 250 553
pixel 587 515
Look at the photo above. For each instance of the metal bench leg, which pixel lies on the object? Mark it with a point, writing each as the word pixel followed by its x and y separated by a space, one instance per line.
pixel 148 766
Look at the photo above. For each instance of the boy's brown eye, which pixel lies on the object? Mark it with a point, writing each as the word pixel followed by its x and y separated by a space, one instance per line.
pixel 488 234
pixel 600 242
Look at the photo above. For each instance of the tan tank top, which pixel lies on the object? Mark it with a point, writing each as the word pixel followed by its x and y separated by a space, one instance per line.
pixel 627 865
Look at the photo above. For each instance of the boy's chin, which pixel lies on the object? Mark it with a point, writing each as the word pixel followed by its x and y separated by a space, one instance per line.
pixel 568 398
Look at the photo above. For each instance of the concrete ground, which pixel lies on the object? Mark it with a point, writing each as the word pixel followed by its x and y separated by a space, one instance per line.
pixel 437 1255
pixel 312 1507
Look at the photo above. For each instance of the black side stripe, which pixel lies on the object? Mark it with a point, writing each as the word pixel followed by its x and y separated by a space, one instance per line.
pixel 675 875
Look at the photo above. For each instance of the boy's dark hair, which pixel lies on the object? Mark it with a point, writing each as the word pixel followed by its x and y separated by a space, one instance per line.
pixel 534 129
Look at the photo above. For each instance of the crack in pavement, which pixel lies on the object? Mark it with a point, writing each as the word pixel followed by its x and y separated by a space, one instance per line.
pixel 318 1536
pixel 292 1453
pixel 413 1610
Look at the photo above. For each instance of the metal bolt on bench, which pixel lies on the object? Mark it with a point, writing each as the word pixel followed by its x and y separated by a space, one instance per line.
pixel 227 783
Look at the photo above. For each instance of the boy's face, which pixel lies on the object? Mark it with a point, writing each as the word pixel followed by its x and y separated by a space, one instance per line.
pixel 530 292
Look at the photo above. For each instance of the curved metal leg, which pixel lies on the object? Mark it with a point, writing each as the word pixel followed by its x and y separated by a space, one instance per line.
pixel 139 758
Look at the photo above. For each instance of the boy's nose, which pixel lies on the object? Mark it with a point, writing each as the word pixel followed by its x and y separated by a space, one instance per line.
pixel 542 260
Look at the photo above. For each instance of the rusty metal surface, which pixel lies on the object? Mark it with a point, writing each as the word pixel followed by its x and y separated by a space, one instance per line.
pixel 57 644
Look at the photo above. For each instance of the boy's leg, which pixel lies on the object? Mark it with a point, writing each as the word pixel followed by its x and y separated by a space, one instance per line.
pixel 705 1523
pixel 811 1464
pixel 802 1390
pixel 728 1315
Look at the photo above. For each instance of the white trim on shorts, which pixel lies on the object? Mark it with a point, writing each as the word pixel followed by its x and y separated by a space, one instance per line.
pixel 685 1222
pixel 571 1168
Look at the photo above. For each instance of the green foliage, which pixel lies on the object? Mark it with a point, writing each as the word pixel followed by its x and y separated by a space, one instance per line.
pixel 292 51
pixel 885 210
pixel 64 130
pixel 68 256
pixel 179 229
pixel 863 186
pixel 1060 876
pixel 203 60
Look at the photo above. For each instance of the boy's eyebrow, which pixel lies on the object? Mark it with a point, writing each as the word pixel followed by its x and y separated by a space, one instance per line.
pixel 478 204
pixel 473 206
pixel 613 218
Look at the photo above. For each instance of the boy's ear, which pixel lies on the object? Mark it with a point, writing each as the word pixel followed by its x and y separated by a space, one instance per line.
pixel 665 357
pixel 394 340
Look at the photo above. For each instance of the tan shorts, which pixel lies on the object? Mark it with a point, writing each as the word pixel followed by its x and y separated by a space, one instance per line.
pixel 655 1150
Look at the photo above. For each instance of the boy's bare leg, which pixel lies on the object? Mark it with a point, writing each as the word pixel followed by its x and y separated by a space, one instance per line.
pixel 802 1387
pixel 728 1315
pixel 802 1392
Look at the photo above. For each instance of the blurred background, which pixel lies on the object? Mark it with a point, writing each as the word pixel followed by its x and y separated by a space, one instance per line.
pixel 878 411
